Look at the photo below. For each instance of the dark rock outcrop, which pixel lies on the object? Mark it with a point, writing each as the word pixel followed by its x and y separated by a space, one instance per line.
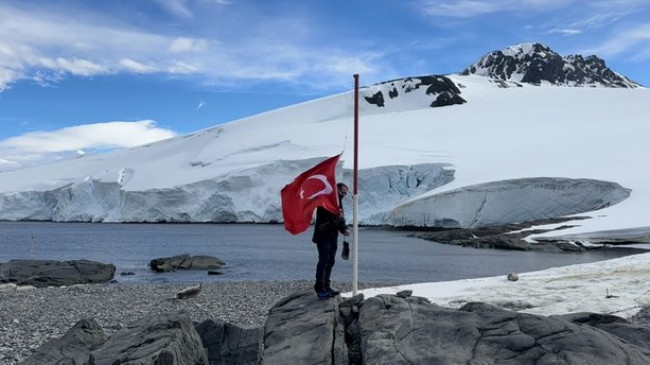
pixel 505 237
pixel 411 330
pixel 227 344
pixel 44 273
pixel 376 99
pixel 442 89
pixel 534 63
pixel 74 347
pixel 186 262
pixel 303 330
pixel 386 329
pixel 617 326
pixel 156 339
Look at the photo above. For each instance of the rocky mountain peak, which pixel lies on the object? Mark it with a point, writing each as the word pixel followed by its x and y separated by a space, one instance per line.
pixel 535 63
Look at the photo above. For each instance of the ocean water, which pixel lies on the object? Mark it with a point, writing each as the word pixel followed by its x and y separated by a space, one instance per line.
pixel 267 252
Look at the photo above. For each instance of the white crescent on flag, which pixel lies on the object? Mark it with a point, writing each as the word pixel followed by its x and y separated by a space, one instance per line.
pixel 326 190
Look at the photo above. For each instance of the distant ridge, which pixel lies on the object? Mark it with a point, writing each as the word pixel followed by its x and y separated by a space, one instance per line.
pixel 535 63
pixel 440 89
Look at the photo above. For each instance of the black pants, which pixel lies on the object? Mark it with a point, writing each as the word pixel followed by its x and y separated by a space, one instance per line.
pixel 326 260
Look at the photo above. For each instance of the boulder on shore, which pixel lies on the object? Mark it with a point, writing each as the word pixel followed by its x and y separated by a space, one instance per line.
pixel 44 273
pixel 186 262
pixel 74 347
pixel 168 338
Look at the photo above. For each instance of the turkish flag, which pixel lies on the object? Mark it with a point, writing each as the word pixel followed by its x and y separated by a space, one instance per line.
pixel 313 188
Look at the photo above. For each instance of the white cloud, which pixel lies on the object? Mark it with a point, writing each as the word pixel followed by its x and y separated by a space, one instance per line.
pixel 43 46
pixel 6 165
pixel 471 8
pixel 635 40
pixel 349 65
pixel 45 146
pixel 79 67
pixel 97 135
pixel 137 67
pixel 184 44
pixel 566 31
pixel 7 76
pixel 46 46
pixel 180 67
pixel 567 17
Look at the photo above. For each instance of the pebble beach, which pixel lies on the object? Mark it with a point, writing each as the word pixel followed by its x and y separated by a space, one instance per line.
pixel 29 317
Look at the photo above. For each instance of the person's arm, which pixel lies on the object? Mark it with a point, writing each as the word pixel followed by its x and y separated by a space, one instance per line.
pixel 342 226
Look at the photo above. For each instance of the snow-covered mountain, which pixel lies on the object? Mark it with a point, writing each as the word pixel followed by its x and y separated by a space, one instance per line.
pixel 475 149
pixel 535 63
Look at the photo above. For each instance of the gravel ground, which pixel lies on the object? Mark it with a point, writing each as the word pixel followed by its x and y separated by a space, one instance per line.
pixel 30 317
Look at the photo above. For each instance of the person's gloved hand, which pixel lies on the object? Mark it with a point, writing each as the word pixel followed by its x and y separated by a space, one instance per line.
pixel 345 253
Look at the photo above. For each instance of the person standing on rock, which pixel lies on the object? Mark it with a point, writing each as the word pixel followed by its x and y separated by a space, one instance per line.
pixel 326 230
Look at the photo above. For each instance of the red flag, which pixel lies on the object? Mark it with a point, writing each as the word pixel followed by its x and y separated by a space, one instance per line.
pixel 313 188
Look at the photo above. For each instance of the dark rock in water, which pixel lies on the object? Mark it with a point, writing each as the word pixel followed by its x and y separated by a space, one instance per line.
pixel 185 262
pixel 173 263
pixel 44 273
pixel 301 329
pixel 214 272
pixel 127 273
pixel 156 339
pixel 227 344
pixel 74 347
pixel 204 262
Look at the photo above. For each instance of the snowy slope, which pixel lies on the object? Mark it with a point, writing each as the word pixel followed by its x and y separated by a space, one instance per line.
pixel 460 151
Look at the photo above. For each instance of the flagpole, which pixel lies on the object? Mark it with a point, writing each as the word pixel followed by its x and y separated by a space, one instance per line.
pixel 355 197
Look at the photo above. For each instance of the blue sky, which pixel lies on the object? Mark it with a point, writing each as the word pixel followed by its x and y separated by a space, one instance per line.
pixel 93 76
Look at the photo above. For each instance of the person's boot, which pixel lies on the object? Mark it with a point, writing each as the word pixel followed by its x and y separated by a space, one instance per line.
pixel 322 293
pixel 332 292
pixel 328 288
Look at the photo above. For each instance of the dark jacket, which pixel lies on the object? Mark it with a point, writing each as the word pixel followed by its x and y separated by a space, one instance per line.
pixel 328 225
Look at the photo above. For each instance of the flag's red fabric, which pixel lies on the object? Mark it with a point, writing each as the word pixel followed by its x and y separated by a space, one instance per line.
pixel 313 188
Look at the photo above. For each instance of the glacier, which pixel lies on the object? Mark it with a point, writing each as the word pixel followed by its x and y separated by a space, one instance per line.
pixel 247 196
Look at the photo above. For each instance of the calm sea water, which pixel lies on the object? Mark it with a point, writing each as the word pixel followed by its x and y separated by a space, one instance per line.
pixel 267 252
